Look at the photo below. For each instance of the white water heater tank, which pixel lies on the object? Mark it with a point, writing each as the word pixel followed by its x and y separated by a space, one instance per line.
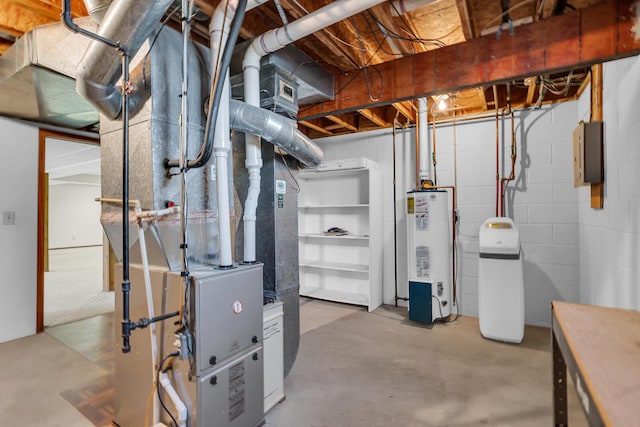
pixel 429 246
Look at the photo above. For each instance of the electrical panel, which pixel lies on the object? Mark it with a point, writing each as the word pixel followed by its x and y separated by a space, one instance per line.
pixel 587 154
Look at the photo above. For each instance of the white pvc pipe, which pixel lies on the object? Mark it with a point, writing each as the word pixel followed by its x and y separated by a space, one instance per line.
pixel 219 32
pixel 150 310
pixel 400 7
pixel 423 139
pixel 269 42
pixel 181 408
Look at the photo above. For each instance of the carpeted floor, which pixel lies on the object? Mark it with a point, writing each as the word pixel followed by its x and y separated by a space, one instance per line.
pixel 73 286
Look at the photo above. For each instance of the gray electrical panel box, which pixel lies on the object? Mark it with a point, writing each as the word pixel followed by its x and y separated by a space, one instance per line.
pixel 587 154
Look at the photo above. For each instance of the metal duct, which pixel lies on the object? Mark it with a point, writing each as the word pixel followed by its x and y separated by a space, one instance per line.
pixel 130 22
pixel 97 8
pixel 276 129
pixel 36 77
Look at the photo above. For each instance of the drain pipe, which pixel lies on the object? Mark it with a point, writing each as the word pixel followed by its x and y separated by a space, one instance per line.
pixel 269 42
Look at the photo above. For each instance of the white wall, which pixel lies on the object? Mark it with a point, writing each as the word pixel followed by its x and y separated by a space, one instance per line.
pixel 74 216
pixel 18 243
pixel 610 237
pixel 542 201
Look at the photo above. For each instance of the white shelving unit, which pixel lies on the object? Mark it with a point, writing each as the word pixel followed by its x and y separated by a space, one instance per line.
pixel 348 268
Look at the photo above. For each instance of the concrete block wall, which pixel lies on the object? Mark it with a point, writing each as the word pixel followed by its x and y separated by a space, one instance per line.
pixel 541 200
pixel 610 237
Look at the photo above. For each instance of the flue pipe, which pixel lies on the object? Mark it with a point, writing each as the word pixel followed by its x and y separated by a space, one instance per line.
pixel 130 22
pixel 269 42
pixel 423 135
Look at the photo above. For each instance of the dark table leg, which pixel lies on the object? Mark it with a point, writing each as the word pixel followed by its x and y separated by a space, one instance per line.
pixel 560 415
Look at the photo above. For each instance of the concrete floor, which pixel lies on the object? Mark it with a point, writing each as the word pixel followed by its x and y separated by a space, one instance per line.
pixel 353 369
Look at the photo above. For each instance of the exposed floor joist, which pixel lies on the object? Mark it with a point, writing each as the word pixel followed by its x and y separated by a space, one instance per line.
pixel 342 123
pixel 374 117
pixel 582 38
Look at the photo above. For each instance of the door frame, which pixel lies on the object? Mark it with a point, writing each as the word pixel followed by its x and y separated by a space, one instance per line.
pixel 42 204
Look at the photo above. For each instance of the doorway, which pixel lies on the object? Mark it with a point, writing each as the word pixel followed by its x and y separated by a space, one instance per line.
pixel 70 237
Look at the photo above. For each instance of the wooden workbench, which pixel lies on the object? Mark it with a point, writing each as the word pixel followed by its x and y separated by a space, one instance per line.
pixel 600 347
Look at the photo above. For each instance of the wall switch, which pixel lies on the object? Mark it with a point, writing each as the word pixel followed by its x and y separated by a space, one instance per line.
pixel 8 218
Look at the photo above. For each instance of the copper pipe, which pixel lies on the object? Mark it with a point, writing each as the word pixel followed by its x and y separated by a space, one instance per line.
pixel 514 154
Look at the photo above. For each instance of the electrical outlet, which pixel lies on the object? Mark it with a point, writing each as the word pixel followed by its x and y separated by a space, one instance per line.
pixel 8 218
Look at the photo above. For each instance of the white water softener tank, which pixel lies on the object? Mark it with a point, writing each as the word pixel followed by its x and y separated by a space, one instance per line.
pixel 500 281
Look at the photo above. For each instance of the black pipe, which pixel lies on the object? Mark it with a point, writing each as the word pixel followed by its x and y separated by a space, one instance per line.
pixel 127 325
pixel 144 322
pixel 67 19
pixel 214 104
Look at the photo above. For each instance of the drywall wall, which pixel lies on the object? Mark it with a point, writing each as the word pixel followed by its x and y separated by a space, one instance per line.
pixel 18 242
pixel 74 216
pixel 542 200
pixel 610 237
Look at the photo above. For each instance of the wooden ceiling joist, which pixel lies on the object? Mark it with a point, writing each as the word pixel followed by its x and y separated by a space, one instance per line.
pixel 10 31
pixel 405 109
pixel 463 10
pixel 315 127
pixel 374 117
pixel 342 123
pixel 531 91
pixel 324 36
pixel 581 38
pixel 547 8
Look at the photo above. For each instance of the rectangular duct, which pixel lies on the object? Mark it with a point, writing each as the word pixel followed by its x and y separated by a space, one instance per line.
pixel 37 77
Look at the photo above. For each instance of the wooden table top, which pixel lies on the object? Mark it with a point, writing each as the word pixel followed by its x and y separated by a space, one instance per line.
pixel 605 343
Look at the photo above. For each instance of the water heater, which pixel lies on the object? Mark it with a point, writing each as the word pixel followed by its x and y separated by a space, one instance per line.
pixel 429 255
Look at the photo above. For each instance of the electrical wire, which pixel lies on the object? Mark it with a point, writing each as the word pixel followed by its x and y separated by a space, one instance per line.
pixel 153 42
pixel 414 38
pixel 284 160
pixel 364 66
pixel 169 356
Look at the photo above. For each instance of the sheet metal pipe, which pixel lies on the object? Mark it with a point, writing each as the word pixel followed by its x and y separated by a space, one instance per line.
pixel 276 129
pixel 130 22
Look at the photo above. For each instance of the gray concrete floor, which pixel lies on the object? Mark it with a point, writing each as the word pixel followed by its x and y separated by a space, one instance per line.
pixel 353 369
pixel 378 369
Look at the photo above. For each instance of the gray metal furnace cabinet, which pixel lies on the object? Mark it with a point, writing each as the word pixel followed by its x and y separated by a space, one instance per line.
pixel 343 265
